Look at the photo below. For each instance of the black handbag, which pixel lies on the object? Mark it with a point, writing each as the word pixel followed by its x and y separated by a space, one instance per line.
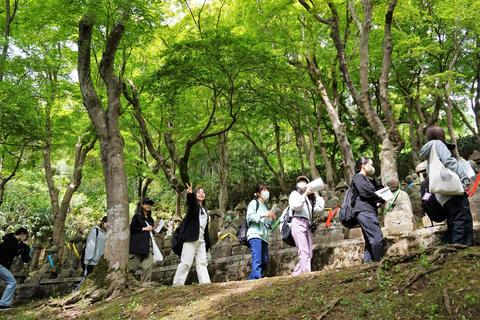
pixel 286 230
pixel 177 239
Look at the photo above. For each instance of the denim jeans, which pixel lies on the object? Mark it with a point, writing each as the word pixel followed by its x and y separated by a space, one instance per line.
pixel 7 276
pixel 259 249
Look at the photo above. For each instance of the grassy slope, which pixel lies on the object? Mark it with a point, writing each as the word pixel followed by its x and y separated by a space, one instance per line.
pixel 367 292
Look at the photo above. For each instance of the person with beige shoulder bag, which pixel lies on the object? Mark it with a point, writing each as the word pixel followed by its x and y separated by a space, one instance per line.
pixel 448 180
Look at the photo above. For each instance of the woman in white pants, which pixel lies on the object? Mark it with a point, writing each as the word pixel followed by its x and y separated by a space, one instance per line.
pixel 194 234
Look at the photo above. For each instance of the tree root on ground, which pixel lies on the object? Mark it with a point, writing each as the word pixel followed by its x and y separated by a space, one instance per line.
pixel 329 309
pixel 447 303
pixel 417 276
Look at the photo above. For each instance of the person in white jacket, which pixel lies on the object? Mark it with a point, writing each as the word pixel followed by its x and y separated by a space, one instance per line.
pixel 303 203
pixel 95 246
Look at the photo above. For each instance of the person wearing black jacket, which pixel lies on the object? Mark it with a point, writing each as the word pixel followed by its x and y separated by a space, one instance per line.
pixel 141 253
pixel 365 209
pixel 13 245
pixel 195 239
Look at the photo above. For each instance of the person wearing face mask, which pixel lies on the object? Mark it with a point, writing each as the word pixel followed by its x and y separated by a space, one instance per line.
pixel 366 206
pixel 195 238
pixel 259 221
pixel 303 203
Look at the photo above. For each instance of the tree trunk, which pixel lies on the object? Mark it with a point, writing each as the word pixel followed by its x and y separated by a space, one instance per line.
pixel 278 175
pixel 329 172
pixel 223 176
pixel 451 130
pixel 9 16
pixel 4 180
pixel 85 143
pixel 412 126
pixel 111 144
pixel 53 191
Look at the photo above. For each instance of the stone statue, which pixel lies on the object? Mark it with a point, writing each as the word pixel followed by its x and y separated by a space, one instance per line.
pixel 413 190
pixel 398 214
pixel 72 252
pixel 241 211
pixel 280 205
pixel 214 224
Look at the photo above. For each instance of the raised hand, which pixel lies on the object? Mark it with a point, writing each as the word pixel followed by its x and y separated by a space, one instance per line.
pixel 189 188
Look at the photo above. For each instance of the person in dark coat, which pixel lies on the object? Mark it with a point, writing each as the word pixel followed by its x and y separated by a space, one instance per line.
pixel 195 239
pixel 14 244
pixel 141 253
pixel 366 208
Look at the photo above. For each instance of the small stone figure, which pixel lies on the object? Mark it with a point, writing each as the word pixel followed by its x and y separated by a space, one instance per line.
pixel 413 190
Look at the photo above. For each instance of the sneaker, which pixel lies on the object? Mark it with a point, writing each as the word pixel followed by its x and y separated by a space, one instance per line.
pixel 5 307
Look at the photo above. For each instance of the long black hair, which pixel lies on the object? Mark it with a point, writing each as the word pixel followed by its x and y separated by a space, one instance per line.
pixel 360 162
pixel 195 193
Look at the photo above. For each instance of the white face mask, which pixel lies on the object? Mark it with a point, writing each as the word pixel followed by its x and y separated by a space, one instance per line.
pixel 369 169
pixel 302 185
pixel 265 195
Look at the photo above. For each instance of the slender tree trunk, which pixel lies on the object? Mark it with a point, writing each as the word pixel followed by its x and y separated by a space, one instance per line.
pixel 476 106
pixel 223 176
pixel 338 126
pixel 451 130
pixel 329 172
pixel 85 143
pixel 412 127
pixel 53 191
pixel 300 143
pixel 278 175
pixel 5 180
pixel 9 16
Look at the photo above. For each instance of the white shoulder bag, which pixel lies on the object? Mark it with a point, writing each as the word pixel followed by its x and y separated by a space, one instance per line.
pixel 157 254
pixel 441 179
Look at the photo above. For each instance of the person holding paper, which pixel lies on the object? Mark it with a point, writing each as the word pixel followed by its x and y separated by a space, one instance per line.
pixel 366 207
pixel 196 241
pixel 304 202
pixel 259 221
pixel 141 253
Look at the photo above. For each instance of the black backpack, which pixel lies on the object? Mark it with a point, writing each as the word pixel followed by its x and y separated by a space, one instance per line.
pixel 82 257
pixel 432 208
pixel 347 216
pixel 242 233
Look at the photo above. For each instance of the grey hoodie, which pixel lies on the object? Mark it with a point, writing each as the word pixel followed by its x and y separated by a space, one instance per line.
pixel 95 246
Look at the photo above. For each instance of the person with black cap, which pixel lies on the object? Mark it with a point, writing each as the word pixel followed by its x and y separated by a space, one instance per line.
pixel 457 207
pixel 303 203
pixel 141 253
pixel 14 244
